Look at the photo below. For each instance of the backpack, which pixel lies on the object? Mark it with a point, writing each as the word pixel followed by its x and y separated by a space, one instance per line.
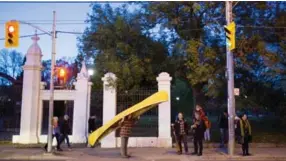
pixel 207 123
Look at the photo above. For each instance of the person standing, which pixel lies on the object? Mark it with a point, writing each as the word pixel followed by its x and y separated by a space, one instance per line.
pixel 125 130
pixel 245 134
pixel 65 130
pixel 181 130
pixel 56 133
pixel 208 128
pixel 199 129
pixel 223 127
pixel 91 124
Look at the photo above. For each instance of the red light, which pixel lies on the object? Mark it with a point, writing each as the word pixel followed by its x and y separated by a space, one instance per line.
pixel 11 28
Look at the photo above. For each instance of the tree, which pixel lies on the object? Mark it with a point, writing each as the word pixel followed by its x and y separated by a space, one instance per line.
pixel 117 43
pixel 70 64
pixel 198 26
pixel 10 63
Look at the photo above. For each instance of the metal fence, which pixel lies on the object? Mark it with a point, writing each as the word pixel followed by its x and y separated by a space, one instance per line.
pixel 96 104
pixel 10 111
pixel 147 126
pixel 61 108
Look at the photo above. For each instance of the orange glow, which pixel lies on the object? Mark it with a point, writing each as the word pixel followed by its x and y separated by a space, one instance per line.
pixel 62 72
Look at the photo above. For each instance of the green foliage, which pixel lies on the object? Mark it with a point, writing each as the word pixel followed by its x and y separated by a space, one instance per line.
pixel 192 48
pixel 117 44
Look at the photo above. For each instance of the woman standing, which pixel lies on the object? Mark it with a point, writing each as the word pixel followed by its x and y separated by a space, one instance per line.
pixel 56 133
pixel 245 134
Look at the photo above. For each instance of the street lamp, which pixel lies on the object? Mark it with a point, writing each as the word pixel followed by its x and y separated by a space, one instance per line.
pixel 90 72
pixel 178 98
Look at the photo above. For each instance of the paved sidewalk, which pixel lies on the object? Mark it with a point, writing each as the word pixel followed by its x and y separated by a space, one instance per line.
pixel 138 154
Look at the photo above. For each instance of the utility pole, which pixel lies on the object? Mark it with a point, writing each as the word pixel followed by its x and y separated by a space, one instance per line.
pixel 51 104
pixel 230 85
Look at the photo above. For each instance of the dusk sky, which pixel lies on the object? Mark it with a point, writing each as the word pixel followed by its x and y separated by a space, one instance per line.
pixel 41 14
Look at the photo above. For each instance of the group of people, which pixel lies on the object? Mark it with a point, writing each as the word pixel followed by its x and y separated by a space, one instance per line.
pixel 200 129
pixel 61 130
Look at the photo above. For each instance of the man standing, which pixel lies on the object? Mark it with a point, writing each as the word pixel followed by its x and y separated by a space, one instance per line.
pixel 125 130
pixel 223 127
pixel 65 130
pixel 181 130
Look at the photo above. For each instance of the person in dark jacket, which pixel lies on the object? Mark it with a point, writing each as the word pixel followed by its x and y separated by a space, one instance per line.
pixel 65 130
pixel 126 125
pixel 181 130
pixel 223 127
pixel 199 129
pixel 91 124
pixel 245 134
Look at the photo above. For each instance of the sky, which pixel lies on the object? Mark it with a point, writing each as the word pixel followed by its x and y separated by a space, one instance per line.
pixel 70 17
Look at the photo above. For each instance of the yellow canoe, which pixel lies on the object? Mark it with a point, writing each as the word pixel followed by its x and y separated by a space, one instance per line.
pixel 135 111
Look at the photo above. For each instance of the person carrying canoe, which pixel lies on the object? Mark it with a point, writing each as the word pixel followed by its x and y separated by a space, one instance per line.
pixel 126 125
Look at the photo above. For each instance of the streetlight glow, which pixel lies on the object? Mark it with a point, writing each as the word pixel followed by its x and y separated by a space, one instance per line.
pixel 90 72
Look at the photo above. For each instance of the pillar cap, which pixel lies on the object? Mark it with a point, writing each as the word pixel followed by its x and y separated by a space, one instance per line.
pixel 107 76
pixel 164 77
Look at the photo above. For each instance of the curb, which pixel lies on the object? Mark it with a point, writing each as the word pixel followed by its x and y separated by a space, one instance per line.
pixel 251 145
pixel 37 157
pixel 235 158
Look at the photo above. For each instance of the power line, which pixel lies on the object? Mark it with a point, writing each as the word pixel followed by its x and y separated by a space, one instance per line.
pixel 25 36
pixel 80 33
pixel 64 32
pixel 59 23
pixel 263 27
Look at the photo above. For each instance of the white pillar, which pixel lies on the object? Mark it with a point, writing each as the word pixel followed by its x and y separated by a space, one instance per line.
pixel 30 96
pixel 80 112
pixel 164 112
pixel 109 108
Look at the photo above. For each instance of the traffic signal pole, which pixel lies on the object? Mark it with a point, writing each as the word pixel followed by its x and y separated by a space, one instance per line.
pixel 230 85
pixel 51 103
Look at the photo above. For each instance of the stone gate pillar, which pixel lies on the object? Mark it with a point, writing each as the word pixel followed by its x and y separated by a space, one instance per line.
pixel 109 108
pixel 81 107
pixel 30 96
pixel 164 112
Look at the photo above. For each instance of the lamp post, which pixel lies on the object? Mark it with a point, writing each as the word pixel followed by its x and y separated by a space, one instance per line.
pixel 51 103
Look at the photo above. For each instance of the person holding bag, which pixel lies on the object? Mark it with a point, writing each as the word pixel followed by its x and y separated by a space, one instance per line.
pixel 245 134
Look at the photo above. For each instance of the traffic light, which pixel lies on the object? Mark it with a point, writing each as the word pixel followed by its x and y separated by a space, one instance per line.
pixel 12 34
pixel 230 35
pixel 62 74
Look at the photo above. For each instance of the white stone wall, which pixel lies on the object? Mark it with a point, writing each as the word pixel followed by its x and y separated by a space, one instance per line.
pixel 109 108
pixel 34 94
pixel 164 117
